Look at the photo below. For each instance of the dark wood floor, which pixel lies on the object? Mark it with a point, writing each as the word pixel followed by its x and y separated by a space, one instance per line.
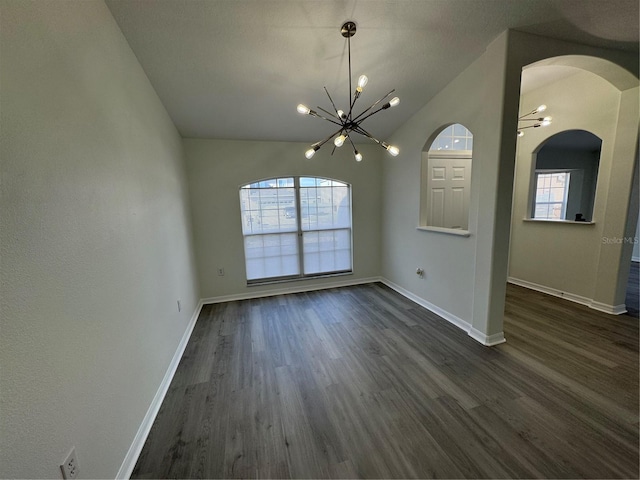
pixel 361 382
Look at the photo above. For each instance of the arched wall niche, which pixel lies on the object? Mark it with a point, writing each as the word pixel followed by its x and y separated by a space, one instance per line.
pixel 445 184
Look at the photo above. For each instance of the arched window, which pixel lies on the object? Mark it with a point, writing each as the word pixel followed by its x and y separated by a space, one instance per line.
pixel 446 180
pixel 296 227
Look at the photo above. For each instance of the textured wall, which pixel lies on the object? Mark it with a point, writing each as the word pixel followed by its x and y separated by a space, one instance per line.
pixel 217 168
pixel 567 257
pixel 474 100
pixel 95 243
pixel 466 277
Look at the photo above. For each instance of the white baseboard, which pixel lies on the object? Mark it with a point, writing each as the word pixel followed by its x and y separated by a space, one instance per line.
pixel 130 459
pixel 635 259
pixel 449 317
pixel 550 291
pixel 287 290
pixel 610 309
pixel 477 335
pixel 589 302
pixel 488 340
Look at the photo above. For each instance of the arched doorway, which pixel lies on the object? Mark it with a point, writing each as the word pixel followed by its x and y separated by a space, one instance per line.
pixel 587 260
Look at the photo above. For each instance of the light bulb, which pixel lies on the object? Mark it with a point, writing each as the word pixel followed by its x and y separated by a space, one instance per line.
pixel 546 121
pixel 358 156
pixel 310 153
pixel 340 114
pixel 362 82
pixel 393 150
pixel 339 141
pixel 394 101
pixel 520 133
pixel 303 109
pixel 541 108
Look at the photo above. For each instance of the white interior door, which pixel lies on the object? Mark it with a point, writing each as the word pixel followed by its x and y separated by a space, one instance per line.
pixel 448 189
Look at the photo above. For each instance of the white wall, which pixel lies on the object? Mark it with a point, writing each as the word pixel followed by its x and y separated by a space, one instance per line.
pixel 621 203
pixel 565 257
pixel 217 168
pixel 95 243
pixel 466 277
pixel 473 99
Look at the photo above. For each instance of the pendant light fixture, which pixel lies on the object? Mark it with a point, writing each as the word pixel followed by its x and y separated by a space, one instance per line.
pixel 538 121
pixel 347 121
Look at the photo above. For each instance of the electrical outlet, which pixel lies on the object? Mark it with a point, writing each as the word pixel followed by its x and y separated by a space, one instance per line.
pixel 221 272
pixel 70 465
pixel 179 306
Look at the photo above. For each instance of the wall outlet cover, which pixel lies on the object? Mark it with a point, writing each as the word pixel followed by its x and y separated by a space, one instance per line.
pixel 70 465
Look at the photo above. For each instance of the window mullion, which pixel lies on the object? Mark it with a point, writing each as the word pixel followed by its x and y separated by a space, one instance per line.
pixel 298 200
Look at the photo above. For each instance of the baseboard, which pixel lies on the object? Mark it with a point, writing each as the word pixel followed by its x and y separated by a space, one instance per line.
pixel 129 463
pixel 449 317
pixel 635 259
pixel 572 297
pixel 550 291
pixel 288 290
pixel 477 335
pixel 488 340
pixel 610 309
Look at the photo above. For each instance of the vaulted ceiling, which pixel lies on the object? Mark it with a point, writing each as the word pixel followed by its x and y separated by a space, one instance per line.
pixel 236 69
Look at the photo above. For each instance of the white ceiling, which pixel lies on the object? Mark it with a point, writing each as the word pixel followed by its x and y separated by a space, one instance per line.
pixel 236 69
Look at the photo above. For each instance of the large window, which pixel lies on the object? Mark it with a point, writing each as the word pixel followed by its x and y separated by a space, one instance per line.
pixel 296 227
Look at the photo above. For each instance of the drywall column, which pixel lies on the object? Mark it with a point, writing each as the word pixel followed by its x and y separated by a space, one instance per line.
pixel 616 247
pixel 492 247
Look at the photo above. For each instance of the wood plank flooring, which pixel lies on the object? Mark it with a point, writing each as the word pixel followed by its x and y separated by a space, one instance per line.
pixel 359 382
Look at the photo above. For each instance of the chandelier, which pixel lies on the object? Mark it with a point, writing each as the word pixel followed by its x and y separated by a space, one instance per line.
pixel 529 117
pixel 347 121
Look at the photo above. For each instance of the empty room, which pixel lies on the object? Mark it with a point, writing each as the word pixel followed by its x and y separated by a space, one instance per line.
pixel 319 239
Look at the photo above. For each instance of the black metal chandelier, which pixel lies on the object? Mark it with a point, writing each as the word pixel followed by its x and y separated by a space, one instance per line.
pixel 347 122
pixel 532 117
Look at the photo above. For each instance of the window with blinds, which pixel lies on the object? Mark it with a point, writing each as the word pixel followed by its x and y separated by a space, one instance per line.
pixel 296 227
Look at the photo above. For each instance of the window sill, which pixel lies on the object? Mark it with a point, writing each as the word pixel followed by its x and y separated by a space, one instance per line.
pixel 266 281
pixel 544 220
pixel 447 231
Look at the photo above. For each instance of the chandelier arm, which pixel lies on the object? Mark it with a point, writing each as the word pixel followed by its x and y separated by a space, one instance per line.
pixel 362 131
pixel 331 100
pixel 531 119
pixel 356 95
pixel 319 144
pixel 315 114
pixel 376 103
pixel 531 126
pixel 352 144
pixel 329 113
pixel 371 114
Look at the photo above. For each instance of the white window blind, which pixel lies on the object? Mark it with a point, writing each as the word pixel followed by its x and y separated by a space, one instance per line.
pixel 296 227
pixel 552 191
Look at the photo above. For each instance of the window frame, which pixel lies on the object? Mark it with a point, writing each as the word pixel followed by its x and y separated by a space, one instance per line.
pixel 300 207
pixel 534 194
